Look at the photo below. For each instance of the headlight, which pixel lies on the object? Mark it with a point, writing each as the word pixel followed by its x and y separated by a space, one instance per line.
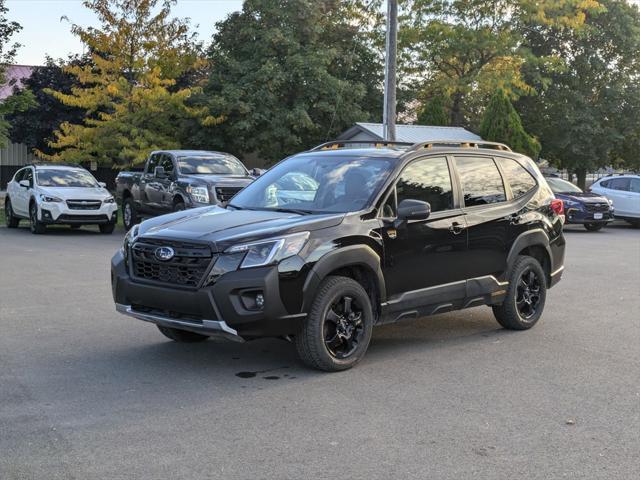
pixel 109 200
pixel 199 194
pixel 265 252
pixel 49 199
pixel 571 203
pixel 129 238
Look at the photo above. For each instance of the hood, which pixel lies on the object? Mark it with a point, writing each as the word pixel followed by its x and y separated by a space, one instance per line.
pixel 582 197
pixel 222 227
pixel 76 193
pixel 220 180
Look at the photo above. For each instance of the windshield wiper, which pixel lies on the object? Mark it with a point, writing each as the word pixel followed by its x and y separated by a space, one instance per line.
pixel 290 210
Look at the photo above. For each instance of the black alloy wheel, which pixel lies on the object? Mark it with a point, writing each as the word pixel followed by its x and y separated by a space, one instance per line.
pixel 36 226
pixel 528 294
pixel 343 328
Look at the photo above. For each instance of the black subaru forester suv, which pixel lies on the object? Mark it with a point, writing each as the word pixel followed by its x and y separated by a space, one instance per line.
pixel 331 242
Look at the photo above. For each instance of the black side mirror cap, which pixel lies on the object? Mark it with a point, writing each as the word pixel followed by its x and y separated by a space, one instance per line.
pixel 410 209
pixel 256 172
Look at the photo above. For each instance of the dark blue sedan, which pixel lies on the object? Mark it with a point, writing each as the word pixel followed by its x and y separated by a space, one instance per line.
pixel 589 209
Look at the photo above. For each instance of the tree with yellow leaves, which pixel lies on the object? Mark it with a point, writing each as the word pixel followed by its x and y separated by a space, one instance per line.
pixel 129 90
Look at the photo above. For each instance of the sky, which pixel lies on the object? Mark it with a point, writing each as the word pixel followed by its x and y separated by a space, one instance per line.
pixel 44 33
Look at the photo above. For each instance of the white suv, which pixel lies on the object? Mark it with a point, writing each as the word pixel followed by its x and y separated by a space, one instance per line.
pixel 55 194
pixel 624 191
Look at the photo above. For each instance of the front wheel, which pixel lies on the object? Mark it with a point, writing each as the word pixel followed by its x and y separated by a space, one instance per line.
pixel 10 219
pixel 36 226
pixel 526 295
pixel 107 228
pixel 181 336
pixel 337 331
pixel 129 214
pixel 594 227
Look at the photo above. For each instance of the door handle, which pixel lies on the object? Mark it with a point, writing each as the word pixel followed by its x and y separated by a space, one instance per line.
pixel 456 228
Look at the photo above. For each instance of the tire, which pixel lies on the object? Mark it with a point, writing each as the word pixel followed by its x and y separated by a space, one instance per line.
pixel 337 331
pixel 594 227
pixel 129 214
pixel 36 226
pixel 178 206
pixel 181 336
pixel 634 223
pixel 10 219
pixel 515 313
pixel 107 228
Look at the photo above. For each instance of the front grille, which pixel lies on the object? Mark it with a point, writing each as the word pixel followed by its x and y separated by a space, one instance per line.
pixel 596 207
pixel 187 267
pixel 84 204
pixel 224 194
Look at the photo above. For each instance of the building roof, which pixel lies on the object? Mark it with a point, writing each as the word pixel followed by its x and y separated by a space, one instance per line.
pixel 408 133
pixel 15 75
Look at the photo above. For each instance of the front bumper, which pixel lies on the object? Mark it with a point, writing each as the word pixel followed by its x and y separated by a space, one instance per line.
pixel 217 310
pixel 59 213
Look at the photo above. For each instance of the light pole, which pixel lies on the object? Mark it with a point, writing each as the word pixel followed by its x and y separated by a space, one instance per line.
pixel 390 62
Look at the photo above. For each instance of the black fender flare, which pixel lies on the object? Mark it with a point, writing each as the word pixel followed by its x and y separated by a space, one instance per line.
pixel 531 238
pixel 353 255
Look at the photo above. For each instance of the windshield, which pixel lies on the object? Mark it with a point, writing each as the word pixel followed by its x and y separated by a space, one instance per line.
pixel 320 184
pixel 210 165
pixel 65 178
pixel 562 186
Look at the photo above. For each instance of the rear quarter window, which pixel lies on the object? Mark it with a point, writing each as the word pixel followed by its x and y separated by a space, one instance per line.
pixel 519 179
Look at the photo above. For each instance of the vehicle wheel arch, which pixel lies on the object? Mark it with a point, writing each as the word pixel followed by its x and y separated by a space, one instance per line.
pixel 178 198
pixel 358 262
pixel 533 243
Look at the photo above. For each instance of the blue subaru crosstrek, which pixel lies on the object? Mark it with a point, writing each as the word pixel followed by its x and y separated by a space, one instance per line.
pixel 589 209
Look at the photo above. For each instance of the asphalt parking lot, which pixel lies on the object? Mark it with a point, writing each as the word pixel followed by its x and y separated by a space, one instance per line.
pixel 86 393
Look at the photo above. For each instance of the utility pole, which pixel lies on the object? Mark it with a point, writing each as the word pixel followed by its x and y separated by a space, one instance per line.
pixel 390 62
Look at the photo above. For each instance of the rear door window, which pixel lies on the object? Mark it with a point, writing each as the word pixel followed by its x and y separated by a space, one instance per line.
pixel 481 181
pixel 622 184
pixel 520 180
pixel 166 162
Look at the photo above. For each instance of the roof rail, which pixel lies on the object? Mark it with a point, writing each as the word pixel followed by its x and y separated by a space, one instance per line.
pixel 461 144
pixel 53 164
pixel 337 144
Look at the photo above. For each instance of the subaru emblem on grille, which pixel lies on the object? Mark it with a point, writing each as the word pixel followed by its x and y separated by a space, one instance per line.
pixel 164 253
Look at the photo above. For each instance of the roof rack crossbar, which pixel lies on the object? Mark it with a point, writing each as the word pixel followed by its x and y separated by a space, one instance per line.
pixel 461 144
pixel 336 144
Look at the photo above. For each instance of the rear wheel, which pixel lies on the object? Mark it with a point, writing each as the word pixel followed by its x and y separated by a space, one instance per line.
pixel 337 331
pixel 36 226
pixel 594 227
pixel 526 295
pixel 178 206
pixel 10 219
pixel 181 336
pixel 129 214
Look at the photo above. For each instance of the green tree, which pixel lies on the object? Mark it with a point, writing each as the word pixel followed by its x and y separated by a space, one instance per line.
pixel 585 112
pixel 434 112
pixel 127 90
pixel 501 123
pixel 34 126
pixel 289 74
pixel 469 48
pixel 7 53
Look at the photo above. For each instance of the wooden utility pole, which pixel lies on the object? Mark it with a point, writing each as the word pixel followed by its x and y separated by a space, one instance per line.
pixel 390 63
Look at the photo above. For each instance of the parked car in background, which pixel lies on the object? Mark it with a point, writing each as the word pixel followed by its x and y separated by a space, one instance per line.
pixel 624 191
pixel 330 242
pixel 175 180
pixel 585 208
pixel 47 194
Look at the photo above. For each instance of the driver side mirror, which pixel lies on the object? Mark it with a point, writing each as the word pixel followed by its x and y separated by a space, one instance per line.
pixel 256 172
pixel 25 183
pixel 158 172
pixel 410 209
pixel 102 184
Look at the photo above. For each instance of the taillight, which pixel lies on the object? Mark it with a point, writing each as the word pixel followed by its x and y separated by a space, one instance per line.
pixel 557 206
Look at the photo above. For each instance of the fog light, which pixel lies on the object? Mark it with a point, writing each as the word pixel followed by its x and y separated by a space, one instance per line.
pixel 259 300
